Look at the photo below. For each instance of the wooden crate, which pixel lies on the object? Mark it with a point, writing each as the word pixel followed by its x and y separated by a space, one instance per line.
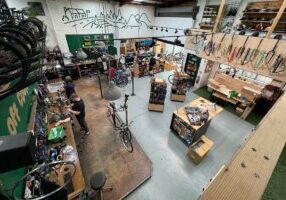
pixel 176 97
pixel 156 107
pixel 197 153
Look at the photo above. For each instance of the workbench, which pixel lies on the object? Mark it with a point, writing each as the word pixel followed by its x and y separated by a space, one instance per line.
pixel 181 126
pixel 78 180
pixel 222 85
pixel 86 66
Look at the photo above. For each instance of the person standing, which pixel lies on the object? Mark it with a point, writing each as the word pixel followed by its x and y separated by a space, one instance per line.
pixel 68 87
pixel 78 109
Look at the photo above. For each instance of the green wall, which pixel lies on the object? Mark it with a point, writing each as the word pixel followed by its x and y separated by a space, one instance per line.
pixel 75 41
pixel 14 117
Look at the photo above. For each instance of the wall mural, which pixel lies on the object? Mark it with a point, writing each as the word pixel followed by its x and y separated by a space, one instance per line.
pixel 83 18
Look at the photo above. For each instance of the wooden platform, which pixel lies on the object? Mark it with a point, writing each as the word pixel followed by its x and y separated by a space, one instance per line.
pixel 156 107
pixel 176 97
pixel 103 150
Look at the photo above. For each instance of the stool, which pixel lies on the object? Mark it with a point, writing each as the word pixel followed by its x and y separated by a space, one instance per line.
pixel 97 182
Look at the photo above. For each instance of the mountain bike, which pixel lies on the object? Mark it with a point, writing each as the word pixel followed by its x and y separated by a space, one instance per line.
pixel 123 128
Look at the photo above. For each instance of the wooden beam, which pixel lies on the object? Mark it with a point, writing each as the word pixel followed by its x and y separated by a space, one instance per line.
pixel 219 15
pixel 248 173
pixel 276 20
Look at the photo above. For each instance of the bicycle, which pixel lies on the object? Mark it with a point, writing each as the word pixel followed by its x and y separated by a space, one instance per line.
pixel 124 131
pixel 120 79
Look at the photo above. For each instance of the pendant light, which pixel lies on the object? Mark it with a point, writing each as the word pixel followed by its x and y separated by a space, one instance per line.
pixel 112 92
pixel 81 55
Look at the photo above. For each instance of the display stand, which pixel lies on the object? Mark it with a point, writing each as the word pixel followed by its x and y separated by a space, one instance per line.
pixel 157 95
pixel 190 133
pixel 179 87
pixel 199 149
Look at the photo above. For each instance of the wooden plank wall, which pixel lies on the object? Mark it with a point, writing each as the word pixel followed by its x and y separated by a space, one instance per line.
pixel 266 45
pixel 247 174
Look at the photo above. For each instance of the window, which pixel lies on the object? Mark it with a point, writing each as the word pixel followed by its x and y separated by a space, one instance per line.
pixel 251 76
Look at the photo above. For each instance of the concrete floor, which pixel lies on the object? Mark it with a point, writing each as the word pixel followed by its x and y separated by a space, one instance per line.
pixel 174 175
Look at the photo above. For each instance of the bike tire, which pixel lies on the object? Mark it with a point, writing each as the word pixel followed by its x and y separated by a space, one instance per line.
pixel 170 78
pixel 126 139
pixel 122 83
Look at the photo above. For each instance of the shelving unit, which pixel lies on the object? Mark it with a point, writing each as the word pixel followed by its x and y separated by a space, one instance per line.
pixel 192 66
pixel 264 13
pixel 180 86
pixel 157 95
pixel 209 17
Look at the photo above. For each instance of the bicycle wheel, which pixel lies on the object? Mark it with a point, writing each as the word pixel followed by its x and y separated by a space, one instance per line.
pixel 126 138
pixel 122 82
pixel 170 78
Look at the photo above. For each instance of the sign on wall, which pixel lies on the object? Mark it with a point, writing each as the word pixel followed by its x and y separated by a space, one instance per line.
pixel 15 112
pixel 106 18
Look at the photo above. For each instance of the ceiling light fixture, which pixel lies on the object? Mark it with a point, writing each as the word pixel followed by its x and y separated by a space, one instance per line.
pixel 162 29
pixel 166 30
pixel 157 28
pixel 176 31
pixel 151 27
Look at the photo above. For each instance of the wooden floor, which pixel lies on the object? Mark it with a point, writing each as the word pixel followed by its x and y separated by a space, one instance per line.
pixel 102 150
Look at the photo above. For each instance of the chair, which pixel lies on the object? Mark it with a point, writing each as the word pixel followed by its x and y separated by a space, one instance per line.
pixel 97 183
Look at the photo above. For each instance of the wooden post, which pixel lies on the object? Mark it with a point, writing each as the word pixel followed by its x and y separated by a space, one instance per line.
pixel 218 17
pixel 276 20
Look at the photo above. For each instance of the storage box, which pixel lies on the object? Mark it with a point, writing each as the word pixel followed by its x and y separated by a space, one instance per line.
pixel 199 149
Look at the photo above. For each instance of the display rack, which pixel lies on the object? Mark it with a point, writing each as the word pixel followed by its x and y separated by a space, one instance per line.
pixel 143 70
pixel 180 86
pixel 209 17
pixel 157 95
pixel 192 67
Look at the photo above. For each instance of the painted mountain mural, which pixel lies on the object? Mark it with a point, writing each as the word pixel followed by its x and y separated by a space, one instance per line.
pixel 83 18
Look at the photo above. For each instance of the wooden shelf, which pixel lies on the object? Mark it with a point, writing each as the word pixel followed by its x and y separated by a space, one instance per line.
pixel 254 21
pixel 260 12
pixel 206 25
pixel 267 31
pixel 257 21
pixel 209 15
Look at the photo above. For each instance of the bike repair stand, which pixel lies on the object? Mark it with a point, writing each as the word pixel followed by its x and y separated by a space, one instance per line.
pixel 132 81
pixel 125 108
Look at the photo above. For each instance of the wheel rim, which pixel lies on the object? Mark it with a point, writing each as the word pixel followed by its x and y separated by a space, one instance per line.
pixel 126 140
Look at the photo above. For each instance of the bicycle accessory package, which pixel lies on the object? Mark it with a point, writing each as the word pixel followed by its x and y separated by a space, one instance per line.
pixel 196 115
